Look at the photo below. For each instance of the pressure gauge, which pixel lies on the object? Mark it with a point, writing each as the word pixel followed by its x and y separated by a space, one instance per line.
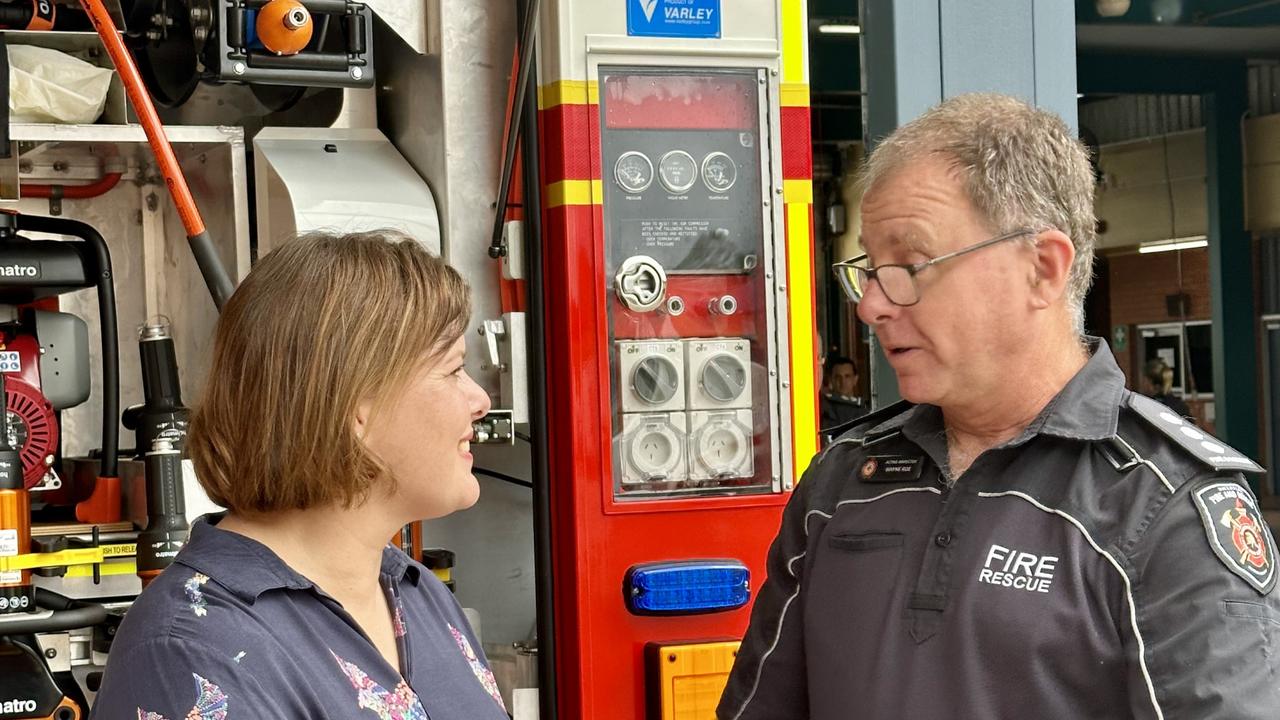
pixel 724 378
pixel 678 170
pixel 633 172
pixel 719 172
pixel 655 379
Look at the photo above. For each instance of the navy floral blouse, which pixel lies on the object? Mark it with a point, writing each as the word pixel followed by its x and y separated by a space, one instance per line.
pixel 230 632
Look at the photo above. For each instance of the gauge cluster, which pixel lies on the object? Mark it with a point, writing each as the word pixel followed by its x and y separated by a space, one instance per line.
pixel 689 244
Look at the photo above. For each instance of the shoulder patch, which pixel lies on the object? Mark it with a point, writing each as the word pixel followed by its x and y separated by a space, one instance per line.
pixel 1237 532
pixel 1206 448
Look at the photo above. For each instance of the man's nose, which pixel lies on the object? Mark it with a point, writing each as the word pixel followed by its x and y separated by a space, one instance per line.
pixel 874 308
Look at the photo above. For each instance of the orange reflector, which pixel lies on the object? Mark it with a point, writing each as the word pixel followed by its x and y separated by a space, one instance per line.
pixel 686 680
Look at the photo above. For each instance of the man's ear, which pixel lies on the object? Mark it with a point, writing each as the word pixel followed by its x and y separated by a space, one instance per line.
pixel 1053 254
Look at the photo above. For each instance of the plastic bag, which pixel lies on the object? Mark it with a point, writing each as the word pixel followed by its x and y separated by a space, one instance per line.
pixel 50 86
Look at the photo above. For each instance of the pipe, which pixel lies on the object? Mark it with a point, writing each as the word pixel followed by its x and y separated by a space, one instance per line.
pixel 543 556
pixel 215 275
pixel 110 341
pixel 497 244
pixel 73 192
pixel 67 614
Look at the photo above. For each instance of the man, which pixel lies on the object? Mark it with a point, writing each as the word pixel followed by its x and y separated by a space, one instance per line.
pixel 1029 539
pixel 839 402
pixel 1158 385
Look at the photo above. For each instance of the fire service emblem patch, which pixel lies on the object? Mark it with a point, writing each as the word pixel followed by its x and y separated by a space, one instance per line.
pixel 1237 533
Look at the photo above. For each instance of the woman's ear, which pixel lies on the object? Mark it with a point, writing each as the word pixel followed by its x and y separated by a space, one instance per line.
pixel 1053 256
pixel 360 421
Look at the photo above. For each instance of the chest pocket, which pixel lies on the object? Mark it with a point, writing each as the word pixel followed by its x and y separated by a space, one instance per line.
pixel 865 542
pixel 852 590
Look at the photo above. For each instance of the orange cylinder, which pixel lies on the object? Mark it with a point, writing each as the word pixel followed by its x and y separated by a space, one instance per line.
pixel 284 27
pixel 16 591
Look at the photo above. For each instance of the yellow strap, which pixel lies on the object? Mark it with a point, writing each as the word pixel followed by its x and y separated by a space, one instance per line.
pixel 74 556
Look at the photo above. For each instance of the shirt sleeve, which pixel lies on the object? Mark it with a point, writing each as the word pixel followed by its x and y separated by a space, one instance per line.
pixel 1206 610
pixel 768 680
pixel 171 679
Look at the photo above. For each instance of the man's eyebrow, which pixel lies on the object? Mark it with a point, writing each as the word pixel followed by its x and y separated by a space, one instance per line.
pixel 913 242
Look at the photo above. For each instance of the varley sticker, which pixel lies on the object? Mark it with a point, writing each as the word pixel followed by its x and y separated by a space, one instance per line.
pixel 1237 533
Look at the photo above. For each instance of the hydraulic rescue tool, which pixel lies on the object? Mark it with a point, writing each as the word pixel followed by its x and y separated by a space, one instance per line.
pixel 161 426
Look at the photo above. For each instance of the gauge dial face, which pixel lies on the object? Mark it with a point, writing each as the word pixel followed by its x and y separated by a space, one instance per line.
pixel 633 172
pixel 719 172
pixel 678 171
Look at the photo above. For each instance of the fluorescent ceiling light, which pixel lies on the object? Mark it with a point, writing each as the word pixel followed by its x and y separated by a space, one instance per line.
pixel 835 29
pixel 1184 243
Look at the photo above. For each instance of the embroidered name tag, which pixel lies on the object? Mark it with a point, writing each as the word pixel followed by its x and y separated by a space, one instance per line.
pixel 891 468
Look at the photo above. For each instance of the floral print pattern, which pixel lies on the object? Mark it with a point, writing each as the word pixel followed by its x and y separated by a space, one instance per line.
pixel 195 596
pixel 211 703
pixel 482 672
pixel 399 704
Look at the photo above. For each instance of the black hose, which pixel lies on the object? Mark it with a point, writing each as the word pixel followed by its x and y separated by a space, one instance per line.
pixel 501 476
pixel 528 40
pixel 67 614
pixel 107 313
pixel 543 557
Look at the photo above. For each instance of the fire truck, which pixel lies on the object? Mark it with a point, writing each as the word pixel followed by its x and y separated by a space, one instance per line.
pixel 626 186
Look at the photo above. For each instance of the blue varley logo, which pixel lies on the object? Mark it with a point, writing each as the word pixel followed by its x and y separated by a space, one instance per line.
pixel 649 6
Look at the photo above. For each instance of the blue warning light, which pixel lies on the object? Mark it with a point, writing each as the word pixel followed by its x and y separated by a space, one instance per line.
pixel 687 587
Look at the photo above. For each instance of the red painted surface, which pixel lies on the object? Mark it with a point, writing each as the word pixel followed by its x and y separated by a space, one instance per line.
pixel 666 102
pixel 595 539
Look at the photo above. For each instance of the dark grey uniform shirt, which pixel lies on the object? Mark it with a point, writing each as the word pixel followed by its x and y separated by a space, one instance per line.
pixel 230 632
pixel 1108 562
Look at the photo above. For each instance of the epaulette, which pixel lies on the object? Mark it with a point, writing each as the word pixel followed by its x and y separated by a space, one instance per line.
pixel 1203 446
pixel 862 427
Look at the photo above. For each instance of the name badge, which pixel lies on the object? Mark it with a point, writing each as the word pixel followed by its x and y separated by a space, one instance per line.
pixel 891 468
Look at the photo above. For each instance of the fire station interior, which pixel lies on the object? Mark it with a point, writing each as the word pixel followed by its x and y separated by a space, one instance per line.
pixel 645 199
pixel 1149 73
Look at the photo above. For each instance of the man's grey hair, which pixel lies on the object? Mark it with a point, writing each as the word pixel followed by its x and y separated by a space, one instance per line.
pixel 1021 166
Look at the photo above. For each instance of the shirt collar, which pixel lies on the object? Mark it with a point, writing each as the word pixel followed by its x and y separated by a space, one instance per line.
pixel 1087 408
pixel 248 568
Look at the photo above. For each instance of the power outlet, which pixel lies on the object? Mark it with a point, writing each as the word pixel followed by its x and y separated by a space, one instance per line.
pixel 720 445
pixel 651 448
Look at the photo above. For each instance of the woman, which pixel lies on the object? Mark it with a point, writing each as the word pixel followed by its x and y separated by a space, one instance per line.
pixel 337 409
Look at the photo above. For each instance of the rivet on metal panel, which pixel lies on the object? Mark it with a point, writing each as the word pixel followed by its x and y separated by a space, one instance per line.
pixel 239 68
pixel 778 191
pixel 773 72
pixel 356 73
pixel 768 276
pixel 773 373
pixel 785 384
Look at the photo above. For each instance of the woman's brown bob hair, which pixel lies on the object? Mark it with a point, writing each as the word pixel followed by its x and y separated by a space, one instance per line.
pixel 321 324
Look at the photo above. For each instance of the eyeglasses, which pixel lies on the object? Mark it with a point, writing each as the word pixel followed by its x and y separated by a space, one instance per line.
pixel 899 281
